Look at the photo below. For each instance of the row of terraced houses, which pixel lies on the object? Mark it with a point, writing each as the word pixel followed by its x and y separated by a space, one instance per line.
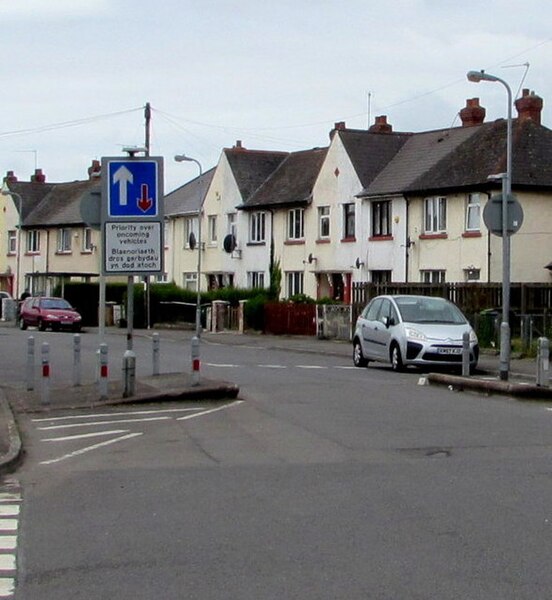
pixel 373 205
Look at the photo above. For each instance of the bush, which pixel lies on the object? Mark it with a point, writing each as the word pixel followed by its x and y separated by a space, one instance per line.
pixel 301 299
pixel 254 312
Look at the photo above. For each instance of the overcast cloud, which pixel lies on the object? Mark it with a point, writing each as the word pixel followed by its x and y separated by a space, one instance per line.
pixel 275 75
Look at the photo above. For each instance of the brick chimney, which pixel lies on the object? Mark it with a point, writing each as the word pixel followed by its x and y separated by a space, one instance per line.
pixel 381 125
pixel 238 145
pixel 94 169
pixel 472 114
pixel 38 176
pixel 529 106
pixel 10 177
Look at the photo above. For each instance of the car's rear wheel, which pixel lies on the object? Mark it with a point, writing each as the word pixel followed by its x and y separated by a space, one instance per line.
pixel 41 325
pixel 22 324
pixel 396 358
pixel 358 356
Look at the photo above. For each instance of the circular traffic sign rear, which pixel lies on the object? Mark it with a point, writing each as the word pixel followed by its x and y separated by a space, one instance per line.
pixel 492 215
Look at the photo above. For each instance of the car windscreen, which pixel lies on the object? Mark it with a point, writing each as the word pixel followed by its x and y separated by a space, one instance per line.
pixel 429 310
pixel 54 303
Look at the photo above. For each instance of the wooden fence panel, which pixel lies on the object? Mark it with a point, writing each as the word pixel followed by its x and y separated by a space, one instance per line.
pixel 285 318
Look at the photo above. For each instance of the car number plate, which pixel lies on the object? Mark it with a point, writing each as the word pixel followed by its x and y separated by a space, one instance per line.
pixel 450 350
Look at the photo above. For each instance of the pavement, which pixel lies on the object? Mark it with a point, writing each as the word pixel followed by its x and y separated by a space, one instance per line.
pixel 179 387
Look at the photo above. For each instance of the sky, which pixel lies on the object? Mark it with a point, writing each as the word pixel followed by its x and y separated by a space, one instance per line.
pixel 76 74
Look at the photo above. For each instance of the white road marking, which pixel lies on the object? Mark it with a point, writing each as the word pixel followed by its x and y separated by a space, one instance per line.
pixel 89 448
pixel 7 587
pixel 80 436
pixel 272 366
pixel 9 510
pixel 310 367
pixel 9 497
pixel 208 412
pixel 8 542
pixel 7 562
pixel 352 367
pixel 8 524
pixel 222 365
pixel 70 426
pixel 120 412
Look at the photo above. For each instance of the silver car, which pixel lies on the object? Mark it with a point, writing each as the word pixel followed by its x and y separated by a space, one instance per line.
pixel 412 330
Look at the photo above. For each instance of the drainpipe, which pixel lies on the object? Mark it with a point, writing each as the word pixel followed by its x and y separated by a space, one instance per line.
pixel 407 243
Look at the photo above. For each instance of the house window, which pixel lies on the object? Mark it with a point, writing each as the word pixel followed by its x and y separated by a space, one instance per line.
pixel 232 226
pixel 349 220
pixel 190 226
pixel 323 222
pixel 472 274
pixel 294 281
pixel 257 227
pixel 380 276
pixel 87 245
pixel 432 276
pixel 64 240
pixel 381 218
pixel 189 281
pixel 255 279
pixel 296 226
pixel 12 241
pixel 212 228
pixel 435 215
pixel 33 241
pixel 473 211
pixel 166 233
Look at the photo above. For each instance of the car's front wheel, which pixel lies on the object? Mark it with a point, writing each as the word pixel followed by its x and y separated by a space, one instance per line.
pixel 358 356
pixel 396 358
pixel 22 324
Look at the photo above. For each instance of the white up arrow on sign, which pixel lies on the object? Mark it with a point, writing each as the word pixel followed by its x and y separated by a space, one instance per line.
pixel 123 177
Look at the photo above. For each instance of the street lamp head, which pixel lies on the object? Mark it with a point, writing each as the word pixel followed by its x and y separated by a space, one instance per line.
pixel 182 158
pixel 477 76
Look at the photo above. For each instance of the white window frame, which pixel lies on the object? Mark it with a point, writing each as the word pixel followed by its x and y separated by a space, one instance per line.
pixel 33 241
pixel 349 220
pixel 432 275
pixel 257 227
pixel 296 224
pixel 232 224
pixel 64 240
pixel 324 228
pixel 189 280
pixel 255 279
pixel 473 212
pixel 381 218
pixel 87 244
pixel 190 225
pixel 212 229
pixel 12 241
pixel 294 283
pixel 435 215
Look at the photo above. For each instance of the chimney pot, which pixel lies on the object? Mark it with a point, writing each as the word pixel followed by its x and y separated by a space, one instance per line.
pixel 381 125
pixel 529 107
pixel 472 114
pixel 38 176
pixel 10 177
pixel 94 169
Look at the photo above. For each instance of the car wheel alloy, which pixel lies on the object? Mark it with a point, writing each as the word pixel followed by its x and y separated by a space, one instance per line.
pixel 358 356
pixel 396 358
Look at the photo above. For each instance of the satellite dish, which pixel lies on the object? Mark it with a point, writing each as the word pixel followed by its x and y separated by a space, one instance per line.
pixel 311 258
pixel 358 263
pixel 229 243
pixel 192 240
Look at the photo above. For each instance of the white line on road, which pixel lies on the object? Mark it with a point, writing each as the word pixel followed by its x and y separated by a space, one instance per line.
pixel 71 425
pixel 120 412
pixel 310 367
pixel 7 587
pixel 272 366
pixel 81 436
pixel 222 365
pixel 208 412
pixel 89 448
pixel 8 524
pixel 9 510
pixel 7 562
pixel 8 542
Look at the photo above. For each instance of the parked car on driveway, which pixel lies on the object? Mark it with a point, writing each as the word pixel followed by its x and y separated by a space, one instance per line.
pixel 44 312
pixel 412 330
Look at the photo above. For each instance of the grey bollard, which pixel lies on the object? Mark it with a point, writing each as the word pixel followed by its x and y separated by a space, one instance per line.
pixel 129 373
pixel 104 372
pixel 45 391
pixel 76 360
pixel 30 363
pixel 543 362
pixel 466 354
pixel 155 353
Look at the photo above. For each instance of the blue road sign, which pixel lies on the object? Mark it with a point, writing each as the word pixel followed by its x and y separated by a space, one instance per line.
pixel 132 188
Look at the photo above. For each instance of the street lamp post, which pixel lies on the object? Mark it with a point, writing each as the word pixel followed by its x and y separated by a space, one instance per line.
pixel 5 191
pixel 195 340
pixel 476 77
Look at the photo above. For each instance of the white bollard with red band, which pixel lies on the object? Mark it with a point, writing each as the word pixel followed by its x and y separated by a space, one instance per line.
pixel 45 353
pixel 104 372
pixel 196 361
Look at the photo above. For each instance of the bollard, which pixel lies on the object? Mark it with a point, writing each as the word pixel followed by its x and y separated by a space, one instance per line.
pixel 104 372
pixel 466 354
pixel 45 395
pixel 196 362
pixel 155 353
pixel 30 363
pixel 76 360
pixel 129 373
pixel 543 362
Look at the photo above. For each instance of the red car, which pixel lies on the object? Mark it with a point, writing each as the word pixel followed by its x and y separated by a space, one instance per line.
pixel 44 312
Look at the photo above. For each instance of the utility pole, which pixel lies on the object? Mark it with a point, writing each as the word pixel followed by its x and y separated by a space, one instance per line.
pixel 147 117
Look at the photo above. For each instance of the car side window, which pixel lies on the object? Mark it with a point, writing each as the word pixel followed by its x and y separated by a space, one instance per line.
pixel 385 310
pixel 372 310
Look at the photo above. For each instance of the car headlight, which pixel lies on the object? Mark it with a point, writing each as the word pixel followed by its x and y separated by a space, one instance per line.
pixel 52 317
pixel 415 334
pixel 78 317
pixel 473 337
